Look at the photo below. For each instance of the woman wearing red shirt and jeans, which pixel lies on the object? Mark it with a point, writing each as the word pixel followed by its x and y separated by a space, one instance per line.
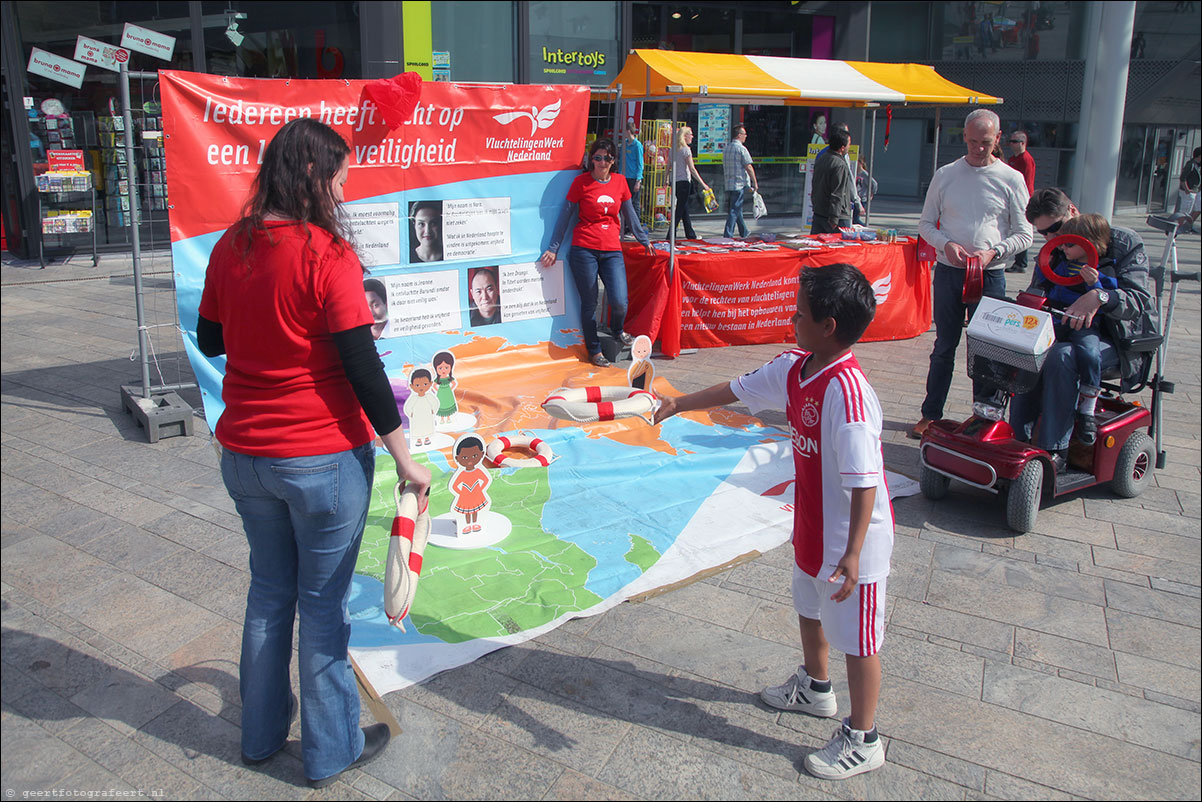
pixel 595 200
pixel 303 388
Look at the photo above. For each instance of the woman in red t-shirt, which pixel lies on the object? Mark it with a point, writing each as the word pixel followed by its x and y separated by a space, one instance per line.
pixel 303 389
pixel 594 202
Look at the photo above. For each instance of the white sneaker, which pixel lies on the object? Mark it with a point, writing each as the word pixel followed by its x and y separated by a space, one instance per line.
pixel 798 694
pixel 846 755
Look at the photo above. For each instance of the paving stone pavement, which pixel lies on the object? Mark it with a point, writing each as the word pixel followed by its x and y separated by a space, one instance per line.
pixel 1064 663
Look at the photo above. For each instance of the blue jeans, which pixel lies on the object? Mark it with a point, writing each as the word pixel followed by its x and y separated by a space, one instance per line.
pixel 304 519
pixel 734 200
pixel 1056 395
pixel 1087 350
pixel 586 265
pixel 949 312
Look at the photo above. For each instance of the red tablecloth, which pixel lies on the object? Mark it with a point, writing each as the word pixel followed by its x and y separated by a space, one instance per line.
pixel 747 298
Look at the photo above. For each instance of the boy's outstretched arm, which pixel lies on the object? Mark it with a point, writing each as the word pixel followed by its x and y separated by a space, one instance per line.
pixel 717 396
pixel 862 501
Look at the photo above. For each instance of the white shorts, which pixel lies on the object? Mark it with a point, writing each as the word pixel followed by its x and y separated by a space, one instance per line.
pixel 1187 201
pixel 854 626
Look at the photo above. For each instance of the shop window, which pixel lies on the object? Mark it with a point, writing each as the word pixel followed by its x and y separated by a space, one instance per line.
pixel 1007 31
pixel 769 33
pixel 899 32
pixel 282 39
pixel 89 119
pixel 574 43
pixel 700 29
pixel 477 38
pixel 1166 30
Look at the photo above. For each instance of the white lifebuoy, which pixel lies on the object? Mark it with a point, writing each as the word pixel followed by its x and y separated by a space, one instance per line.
pixel 589 404
pixel 407 543
pixel 543 456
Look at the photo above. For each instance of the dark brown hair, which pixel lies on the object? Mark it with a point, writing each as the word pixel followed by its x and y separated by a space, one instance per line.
pixel 600 144
pixel 294 180
pixel 1049 202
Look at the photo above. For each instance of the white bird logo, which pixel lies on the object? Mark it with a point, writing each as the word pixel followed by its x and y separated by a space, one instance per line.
pixel 538 118
pixel 880 289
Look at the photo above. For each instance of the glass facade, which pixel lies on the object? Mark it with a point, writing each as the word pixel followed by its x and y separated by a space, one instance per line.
pixel 1041 43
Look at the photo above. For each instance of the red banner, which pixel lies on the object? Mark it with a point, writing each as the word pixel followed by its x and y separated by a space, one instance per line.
pixel 747 298
pixel 219 127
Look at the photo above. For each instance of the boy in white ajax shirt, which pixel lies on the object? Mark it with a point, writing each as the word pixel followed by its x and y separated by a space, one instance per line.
pixel 843 522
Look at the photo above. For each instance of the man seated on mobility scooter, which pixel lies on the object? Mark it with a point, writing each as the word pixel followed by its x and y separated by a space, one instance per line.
pixel 1118 310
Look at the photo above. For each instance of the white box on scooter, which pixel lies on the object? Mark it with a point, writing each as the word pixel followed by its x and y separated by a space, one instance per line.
pixel 1016 328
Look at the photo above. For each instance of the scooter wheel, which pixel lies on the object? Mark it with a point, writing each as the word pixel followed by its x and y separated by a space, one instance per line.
pixel 1022 502
pixel 934 485
pixel 1133 468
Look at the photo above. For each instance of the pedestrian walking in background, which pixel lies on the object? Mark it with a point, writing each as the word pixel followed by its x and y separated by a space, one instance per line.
pixel 1025 164
pixel 738 172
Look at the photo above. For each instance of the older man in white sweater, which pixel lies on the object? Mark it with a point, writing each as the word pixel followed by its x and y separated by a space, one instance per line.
pixel 979 203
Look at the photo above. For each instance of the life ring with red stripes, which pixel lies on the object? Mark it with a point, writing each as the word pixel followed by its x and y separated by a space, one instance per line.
pixel 1044 260
pixel 543 456
pixel 590 404
pixel 406 545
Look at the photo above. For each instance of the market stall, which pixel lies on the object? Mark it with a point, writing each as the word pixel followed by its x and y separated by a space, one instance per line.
pixel 659 300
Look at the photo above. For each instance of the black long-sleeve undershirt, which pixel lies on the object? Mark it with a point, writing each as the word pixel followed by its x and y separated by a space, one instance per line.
pixel 360 361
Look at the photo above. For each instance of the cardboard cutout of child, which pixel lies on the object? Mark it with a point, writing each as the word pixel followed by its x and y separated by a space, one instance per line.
pixel 421 408
pixel 469 484
pixel 451 417
pixel 641 373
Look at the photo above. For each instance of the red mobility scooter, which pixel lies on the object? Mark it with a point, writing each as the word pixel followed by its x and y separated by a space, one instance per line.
pixel 983 450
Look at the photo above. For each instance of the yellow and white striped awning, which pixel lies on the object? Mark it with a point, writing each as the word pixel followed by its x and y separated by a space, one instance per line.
pixel 725 77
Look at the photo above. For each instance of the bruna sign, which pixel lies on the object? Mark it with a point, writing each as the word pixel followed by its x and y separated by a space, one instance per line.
pixel 57 68
pixel 144 40
pixel 102 54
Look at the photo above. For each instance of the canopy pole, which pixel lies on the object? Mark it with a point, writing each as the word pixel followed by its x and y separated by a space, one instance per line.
pixel 619 136
pixel 672 194
pixel 938 130
pixel 871 164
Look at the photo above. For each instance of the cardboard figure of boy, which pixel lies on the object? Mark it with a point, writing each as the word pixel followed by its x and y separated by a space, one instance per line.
pixel 421 408
pixel 641 373
pixel 469 484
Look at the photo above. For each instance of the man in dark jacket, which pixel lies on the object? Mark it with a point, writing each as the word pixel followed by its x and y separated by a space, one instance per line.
pixel 1129 310
pixel 833 188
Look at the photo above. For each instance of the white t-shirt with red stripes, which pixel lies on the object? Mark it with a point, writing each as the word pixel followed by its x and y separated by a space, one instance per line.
pixel 835 425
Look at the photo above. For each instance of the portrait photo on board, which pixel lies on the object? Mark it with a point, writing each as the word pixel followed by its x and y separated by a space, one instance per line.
pixel 484 296
pixel 425 231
